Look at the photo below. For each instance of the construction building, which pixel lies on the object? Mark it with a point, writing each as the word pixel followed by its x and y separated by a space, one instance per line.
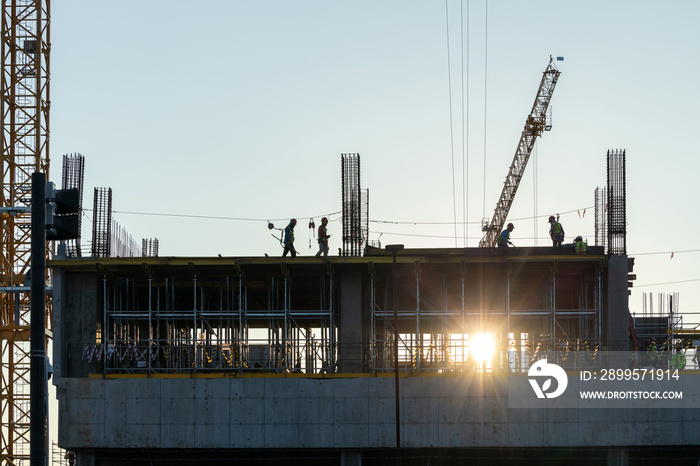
pixel 225 359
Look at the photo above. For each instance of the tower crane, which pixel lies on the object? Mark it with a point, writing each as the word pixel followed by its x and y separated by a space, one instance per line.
pixel 534 125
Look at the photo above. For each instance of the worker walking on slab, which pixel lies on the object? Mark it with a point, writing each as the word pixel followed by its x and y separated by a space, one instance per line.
pixel 289 239
pixel 556 232
pixel 504 239
pixel 323 238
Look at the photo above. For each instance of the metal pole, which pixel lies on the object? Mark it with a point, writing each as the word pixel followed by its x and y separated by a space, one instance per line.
pixel 394 249
pixel 396 355
pixel 37 384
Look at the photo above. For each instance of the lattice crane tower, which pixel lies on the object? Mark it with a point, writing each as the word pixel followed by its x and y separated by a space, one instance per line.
pixel 25 150
pixel 534 125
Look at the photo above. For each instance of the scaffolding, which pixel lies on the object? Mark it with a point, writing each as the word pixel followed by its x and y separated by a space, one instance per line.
pixel 232 323
pixel 446 317
pixel 221 316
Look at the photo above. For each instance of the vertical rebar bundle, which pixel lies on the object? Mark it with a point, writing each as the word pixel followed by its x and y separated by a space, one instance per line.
pixel 122 244
pixel 102 222
pixel 72 178
pixel 601 200
pixel 617 203
pixel 149 247
pixel 353 238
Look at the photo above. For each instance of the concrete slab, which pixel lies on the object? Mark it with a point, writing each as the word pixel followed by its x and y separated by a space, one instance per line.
pixel 281 410
pixel 247 411
pixel 211 435
pixel 143 436
pixel 281 435
pixel 350 435
pixel 212 411
pixel 351 410
pixel 313 435
pixel 247 436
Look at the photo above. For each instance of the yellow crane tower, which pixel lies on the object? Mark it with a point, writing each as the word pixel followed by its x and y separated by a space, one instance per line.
pixel 25 149
pixel 534 125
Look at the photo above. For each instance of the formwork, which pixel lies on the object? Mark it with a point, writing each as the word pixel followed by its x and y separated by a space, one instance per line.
pixel 271 315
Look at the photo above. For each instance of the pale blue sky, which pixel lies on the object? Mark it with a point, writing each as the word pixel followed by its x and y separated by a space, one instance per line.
pixel 242 109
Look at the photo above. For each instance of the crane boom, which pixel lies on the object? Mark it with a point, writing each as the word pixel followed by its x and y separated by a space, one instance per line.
pixel 534 126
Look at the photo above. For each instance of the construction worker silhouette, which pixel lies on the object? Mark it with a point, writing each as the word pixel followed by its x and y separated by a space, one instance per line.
pixel 504 239
pixel 289 239
pixel 323 238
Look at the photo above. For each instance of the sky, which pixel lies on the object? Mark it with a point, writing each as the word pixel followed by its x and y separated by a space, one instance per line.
pixel 209 119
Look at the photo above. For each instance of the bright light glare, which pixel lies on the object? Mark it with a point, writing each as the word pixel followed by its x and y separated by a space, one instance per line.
pixel 482 346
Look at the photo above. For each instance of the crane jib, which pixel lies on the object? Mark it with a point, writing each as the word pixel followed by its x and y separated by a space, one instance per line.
pixel 534 125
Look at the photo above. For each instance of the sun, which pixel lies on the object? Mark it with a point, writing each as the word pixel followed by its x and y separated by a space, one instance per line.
pixel 482 346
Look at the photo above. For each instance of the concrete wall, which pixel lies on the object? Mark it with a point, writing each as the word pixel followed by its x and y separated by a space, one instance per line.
pixel 295 412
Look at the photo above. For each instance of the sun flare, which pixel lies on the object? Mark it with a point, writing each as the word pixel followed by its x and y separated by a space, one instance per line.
pixel 482 347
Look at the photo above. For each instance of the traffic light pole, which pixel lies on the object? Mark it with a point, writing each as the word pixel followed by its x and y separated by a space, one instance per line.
pixel 37 373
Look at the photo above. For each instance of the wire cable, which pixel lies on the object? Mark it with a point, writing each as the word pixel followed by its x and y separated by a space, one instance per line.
pixel 465 121
pixel 486 49
pixel 213 217
pixel 449 93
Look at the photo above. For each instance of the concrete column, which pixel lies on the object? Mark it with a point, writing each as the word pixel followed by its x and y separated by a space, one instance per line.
pixel 617 321
pixel 350 336
pixel 350 458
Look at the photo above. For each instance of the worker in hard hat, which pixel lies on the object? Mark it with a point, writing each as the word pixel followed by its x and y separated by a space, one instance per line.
pixel 289 239
pixel 556 232
pixel 651 358
pixel 504 239
pixel 323 238
pixel 580 246
pixel 678 360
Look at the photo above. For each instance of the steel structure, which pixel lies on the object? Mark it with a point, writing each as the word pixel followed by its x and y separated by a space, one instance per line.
pixel 601 204
pixel 25 150
pixel 536 123
pixel 195 320
pixel 444 310
pixel 102 222
pixel 73 178
pixel 354 216
pixel 149 247
pixel 617 203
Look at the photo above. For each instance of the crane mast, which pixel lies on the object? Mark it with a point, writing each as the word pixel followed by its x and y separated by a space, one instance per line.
pixel 534 125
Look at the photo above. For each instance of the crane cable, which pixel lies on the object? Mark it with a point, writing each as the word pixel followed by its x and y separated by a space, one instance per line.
pixel 486 50
pixel 449 92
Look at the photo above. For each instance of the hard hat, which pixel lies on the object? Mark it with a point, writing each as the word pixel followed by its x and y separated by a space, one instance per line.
pixel 324 220
pixel 293 221
pixel 510 226
pixel 578 238
pixel 551 218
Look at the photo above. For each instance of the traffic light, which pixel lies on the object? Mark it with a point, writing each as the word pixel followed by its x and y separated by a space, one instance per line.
pixel 62 211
